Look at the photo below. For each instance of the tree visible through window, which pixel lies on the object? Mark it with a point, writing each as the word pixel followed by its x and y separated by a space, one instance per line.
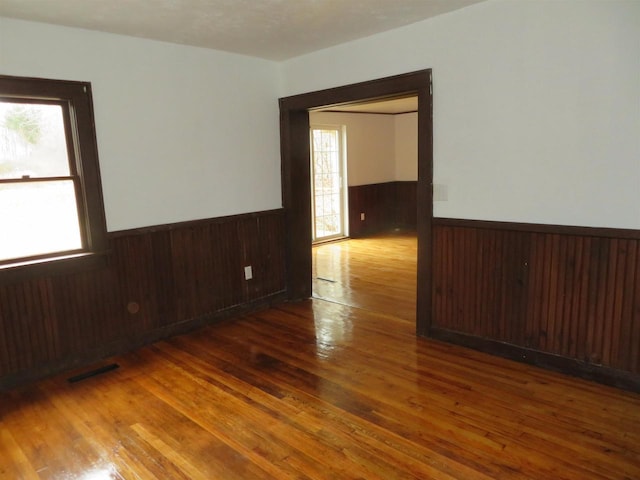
pixel 327 186
pixel 50 195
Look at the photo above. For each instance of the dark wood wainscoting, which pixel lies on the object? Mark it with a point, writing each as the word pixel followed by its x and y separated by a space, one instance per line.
pixel 158 281
pixel 385 205
pixel 561 297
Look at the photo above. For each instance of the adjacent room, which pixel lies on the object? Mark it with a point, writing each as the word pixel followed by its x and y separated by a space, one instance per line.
pixel 366 254
pixel 316 239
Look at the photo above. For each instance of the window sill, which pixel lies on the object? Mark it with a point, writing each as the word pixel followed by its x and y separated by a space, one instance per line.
pixel 60 265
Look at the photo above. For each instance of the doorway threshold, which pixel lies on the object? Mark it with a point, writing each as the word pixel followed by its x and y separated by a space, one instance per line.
pixel 323 241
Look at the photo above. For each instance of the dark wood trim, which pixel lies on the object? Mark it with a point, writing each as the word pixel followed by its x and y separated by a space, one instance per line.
pixel 296 200
pixel 59 265
pixel 600 374
pixel 406 84
pixel 167 227
pixel 540 228
pixel 294 142
pixel 126 344
pixel 424 195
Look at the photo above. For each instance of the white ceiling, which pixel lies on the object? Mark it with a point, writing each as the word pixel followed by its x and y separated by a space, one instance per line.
pixel 270 29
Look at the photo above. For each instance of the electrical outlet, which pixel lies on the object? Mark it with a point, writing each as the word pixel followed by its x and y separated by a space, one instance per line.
pixel 440 192
pixel 362 217
pixel 248 272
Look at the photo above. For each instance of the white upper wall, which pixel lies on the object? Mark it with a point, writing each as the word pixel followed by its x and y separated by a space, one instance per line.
pixel 536 112
pixel 370 145
pixel 406 146
pixel 183 133
pixel 536 105
pixel 380 148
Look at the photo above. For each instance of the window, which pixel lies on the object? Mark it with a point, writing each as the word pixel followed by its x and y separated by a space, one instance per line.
pixel 328 184
pixel 51 210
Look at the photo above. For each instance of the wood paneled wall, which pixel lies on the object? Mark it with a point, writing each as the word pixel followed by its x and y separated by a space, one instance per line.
pixel 563 291
pixel 385 205
pixel 158 281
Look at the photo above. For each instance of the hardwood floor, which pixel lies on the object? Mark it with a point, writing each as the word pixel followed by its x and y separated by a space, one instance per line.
pixel 377 273
pixel 324 390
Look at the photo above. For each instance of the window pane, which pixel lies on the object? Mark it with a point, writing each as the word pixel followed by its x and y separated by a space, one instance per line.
pixel 327 192
pixel 38 218
pixel 32 141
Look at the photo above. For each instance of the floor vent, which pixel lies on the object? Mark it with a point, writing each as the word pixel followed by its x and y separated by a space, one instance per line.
pixel 326 280
pixel 93 373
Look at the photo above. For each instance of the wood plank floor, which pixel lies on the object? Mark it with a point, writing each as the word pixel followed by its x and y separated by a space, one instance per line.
pixel 377 273
pixel 320 390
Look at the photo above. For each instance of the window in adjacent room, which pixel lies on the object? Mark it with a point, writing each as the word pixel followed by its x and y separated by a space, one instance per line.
pixel 50 195
pixel 328 183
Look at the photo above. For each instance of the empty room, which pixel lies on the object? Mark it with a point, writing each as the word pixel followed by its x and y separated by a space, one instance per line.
pixel 185 293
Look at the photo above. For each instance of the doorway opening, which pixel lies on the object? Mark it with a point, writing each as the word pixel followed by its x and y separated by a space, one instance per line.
pixel 296 178
pixel 374 267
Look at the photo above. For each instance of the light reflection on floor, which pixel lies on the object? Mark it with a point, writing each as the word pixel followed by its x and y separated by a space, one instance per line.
pixel 377 274
pixel 333 330
pixel 104 473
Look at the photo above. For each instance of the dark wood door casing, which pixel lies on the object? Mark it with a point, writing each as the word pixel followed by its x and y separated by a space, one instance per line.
pixel 296 194
pixel 555 296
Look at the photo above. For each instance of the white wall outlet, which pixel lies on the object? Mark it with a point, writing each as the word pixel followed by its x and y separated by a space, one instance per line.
pixel 440 192
pixel 362 216
pixel 248 272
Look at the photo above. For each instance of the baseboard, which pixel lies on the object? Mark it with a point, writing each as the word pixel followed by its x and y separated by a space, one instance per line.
pixel 119 347
pixel 605 375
